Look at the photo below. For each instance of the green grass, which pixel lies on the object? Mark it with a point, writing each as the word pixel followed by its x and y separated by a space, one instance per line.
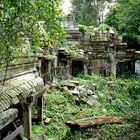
pixel 60 106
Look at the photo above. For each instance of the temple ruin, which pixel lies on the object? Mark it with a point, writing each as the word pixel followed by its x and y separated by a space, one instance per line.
pixel 101 53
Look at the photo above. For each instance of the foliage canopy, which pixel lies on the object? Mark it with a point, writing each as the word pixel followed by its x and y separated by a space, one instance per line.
pixel 86 12
pixel 125 17
pixel 30 23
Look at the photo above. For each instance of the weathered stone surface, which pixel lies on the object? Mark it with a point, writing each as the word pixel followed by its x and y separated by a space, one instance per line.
pixel 75 92
pixel 68 84
pixel 82 89
pixel 94 121
pixel 76 98
pixel 5 101
pixel 89 92
pixel 19 88
pixel 7 117
pixel 75 82
pixel 65 88
pixel 83 94
pixel 92 101
pixel 84 99
pixel 54 85
pixel 47 120
pixel 95 97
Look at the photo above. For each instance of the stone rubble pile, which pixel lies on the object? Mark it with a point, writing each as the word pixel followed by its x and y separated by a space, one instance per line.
pixel 85 92
pixel 82 92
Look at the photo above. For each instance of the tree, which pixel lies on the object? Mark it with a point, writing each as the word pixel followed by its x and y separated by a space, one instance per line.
pixel 125 17
pixel 20 22
pixel 86 12
pixel 112 18
pixel 81 12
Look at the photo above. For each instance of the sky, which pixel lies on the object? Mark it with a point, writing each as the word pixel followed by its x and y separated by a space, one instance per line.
pixel 66 6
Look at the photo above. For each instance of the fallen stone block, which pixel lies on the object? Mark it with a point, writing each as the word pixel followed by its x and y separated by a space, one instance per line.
pixel 89 92
pixel 47 120
pixel 83 94
pixel 76 98
pixel 84 99
pixel 81 88
pixel 95 97
pixel 68 84
pixel 75 92
pixel 93 121
pixel 74 82
pixel 92 102
pixel 6 117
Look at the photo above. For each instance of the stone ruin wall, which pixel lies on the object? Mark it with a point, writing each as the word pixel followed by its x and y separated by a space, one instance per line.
pixel 102 51
pixel 24 64
pixel 99 52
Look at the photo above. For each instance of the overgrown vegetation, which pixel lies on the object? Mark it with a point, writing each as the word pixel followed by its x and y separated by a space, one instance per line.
pixel 91 29
pixel 124 16
pixel 122 100
pixel 86 12
pixel 27 25
pixel 71 47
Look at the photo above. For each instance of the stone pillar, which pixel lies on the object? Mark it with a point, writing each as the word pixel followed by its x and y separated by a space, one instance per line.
pixel 27 120
pixel 113 65
pixel 39 67
pixel 85 69
pixel 50 70
pixel 68 68
pixel 40 109
pixel 55 65
pixel 68 71
pixel 113 69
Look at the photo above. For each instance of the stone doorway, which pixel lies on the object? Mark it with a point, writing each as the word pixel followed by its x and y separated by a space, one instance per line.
pixel 77 67
pixel 126 68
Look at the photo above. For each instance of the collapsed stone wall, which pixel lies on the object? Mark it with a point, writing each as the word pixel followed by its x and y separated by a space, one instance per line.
pixel 100 51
